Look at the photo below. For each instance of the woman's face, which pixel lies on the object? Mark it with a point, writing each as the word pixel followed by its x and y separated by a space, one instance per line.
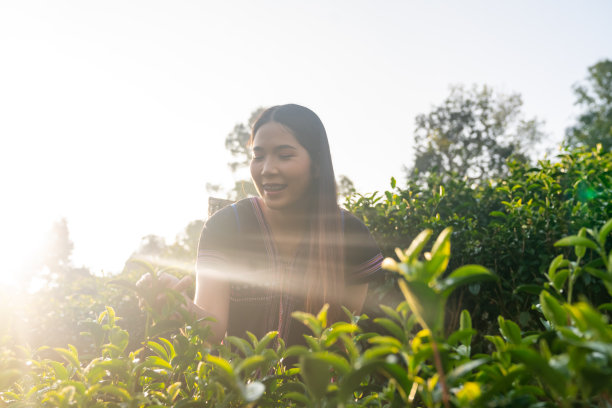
pixel 281 168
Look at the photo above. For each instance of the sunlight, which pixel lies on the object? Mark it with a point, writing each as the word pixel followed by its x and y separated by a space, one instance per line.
pixel 22 244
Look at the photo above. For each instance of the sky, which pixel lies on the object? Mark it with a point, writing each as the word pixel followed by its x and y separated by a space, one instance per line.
pixel 113 114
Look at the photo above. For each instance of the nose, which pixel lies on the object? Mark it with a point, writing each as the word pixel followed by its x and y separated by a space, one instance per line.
pixel 269 167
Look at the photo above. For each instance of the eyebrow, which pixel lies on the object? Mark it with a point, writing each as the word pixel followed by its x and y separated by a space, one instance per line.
pixel 281 147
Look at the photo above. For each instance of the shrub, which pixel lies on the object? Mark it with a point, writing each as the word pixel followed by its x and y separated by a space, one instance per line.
pixel 407 361
pixel 509 226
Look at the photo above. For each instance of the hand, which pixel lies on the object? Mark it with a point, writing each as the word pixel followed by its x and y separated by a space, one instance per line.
pixel 154 290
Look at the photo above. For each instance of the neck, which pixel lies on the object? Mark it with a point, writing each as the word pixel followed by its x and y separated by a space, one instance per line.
pixel 288 221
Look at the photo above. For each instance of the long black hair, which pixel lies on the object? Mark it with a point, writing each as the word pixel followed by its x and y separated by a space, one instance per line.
pixel 325 264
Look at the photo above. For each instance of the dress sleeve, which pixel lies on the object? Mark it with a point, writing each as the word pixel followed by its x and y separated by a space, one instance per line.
pixel 215 246
pixel 362 255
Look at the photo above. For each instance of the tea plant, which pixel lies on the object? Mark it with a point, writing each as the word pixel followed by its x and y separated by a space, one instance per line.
pixel 408 360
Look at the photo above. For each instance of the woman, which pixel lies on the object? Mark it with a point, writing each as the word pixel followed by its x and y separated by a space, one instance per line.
pixel 292 248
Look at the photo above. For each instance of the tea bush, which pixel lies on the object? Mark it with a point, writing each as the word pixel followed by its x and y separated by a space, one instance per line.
pixel 407 361
pixel 509 226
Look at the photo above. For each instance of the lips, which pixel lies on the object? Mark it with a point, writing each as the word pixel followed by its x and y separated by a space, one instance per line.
pixel 273 187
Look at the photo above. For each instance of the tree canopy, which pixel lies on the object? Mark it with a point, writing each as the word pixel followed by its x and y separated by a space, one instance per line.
pixel 594 125
pixel 472 134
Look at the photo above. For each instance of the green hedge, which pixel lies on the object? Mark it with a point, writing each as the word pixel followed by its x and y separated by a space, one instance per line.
pixel 407 361
pixel 508 226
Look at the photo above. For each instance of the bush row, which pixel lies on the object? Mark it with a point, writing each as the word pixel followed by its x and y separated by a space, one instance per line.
pixel 509 226
pixel 407 361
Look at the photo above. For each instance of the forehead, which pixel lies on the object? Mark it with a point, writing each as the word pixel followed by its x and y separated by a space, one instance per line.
pixel 273 134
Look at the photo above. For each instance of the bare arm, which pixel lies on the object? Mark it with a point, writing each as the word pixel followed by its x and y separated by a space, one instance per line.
pixel 211 297
pixel 212 300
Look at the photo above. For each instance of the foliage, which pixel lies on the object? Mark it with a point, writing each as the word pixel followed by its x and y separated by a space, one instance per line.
pixel 407 361
pixel 472 134
pixel 595 123
pixel 236 141
pixel 509 227
pixel 181 253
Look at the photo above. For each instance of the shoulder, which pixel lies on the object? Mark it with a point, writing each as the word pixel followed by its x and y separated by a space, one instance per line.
pixel 356 233
pixel 228 217
pixel 352 223
pixel 362 255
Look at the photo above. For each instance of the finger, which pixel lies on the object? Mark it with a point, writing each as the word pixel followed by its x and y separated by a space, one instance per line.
pixel 145 280
pixel 183 284
pixel 167 280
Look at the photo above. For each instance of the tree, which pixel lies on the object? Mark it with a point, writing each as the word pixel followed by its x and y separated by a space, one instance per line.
pixel 594 125
pixel 236 141
pixel 346 187
pixel 472 134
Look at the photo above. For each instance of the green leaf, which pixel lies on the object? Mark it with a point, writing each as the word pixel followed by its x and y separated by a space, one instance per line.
pixel 169 348
pixel 425 303
pixel 173 390
pixel 70 355
pixel 552 268
pixel 155 361
pixel 441 241
pixel 598 273
pixel 377 352
pixel 296 350
pixel 531 289
pixel 159 350
pixel 465 320
pixel 462 335
pixel 297 397
pixel 392 328
pixel 249 364
pixel 605 306
pixel 552 310
pixel 164 326
pixel 539 366
pixel 351 382
pixel 113 390
pixel 221 363
pixel 316 375
pixel 264 341
pixel 337 329
pixel 497 214
pixel 391 313
pixel 510 330
pixel 334 360
pixel 399 374
pixel 560 278
pixel 464 369
pixel 465 275
pixel 241 344
pixel 393 182
pixel 60 371
pixel 253 338
pixel 417 245
pixel 385 341
pixel 310 321
pixel 575 240
pixel 589 319
pixel 604 232
pixel 322 316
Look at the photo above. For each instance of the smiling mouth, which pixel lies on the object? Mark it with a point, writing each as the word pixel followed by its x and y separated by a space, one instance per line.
pixel 272 188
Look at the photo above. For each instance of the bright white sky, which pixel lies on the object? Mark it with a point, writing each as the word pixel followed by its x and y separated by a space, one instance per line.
pixel 113 114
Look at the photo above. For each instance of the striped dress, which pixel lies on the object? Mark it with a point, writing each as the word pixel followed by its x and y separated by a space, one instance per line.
pixel 236 245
